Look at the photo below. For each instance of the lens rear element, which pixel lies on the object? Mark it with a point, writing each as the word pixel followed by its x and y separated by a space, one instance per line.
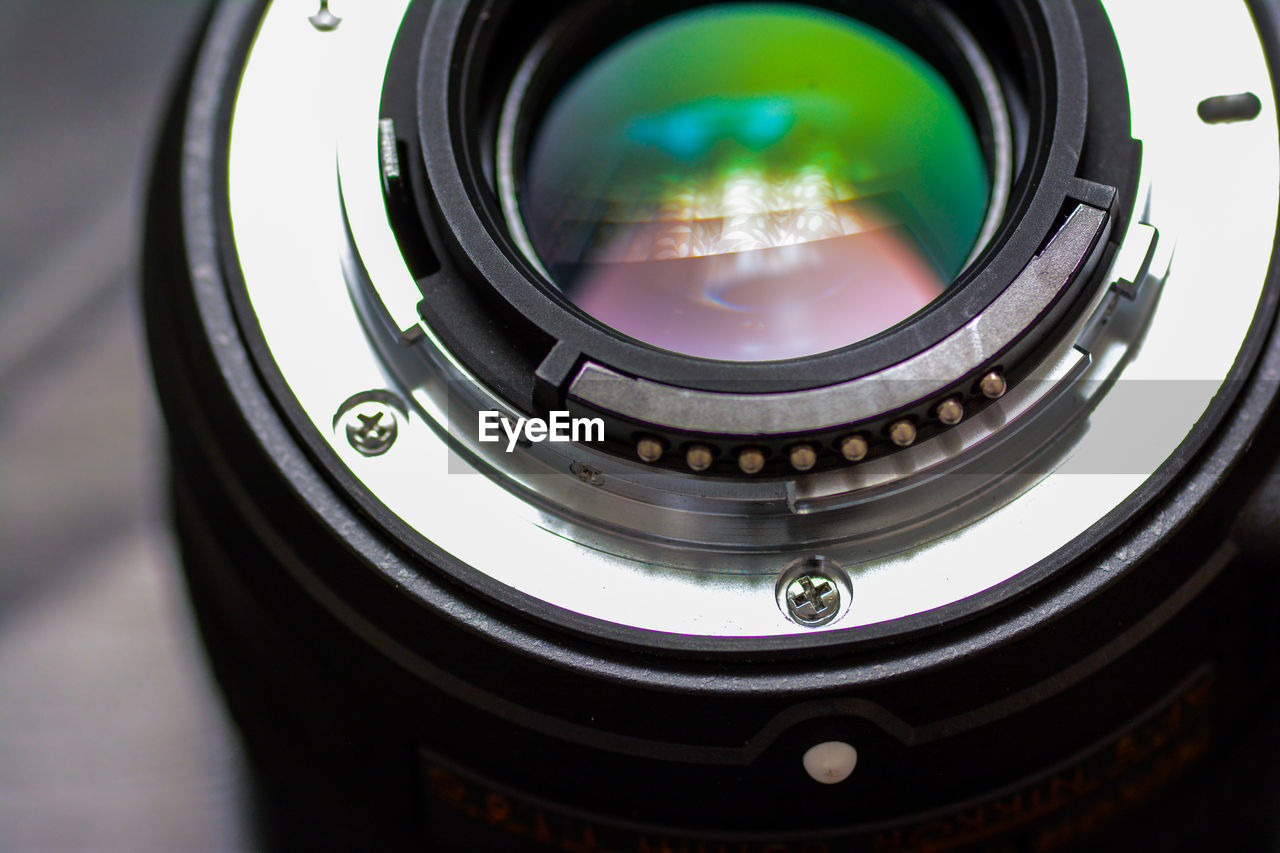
pixel 754 182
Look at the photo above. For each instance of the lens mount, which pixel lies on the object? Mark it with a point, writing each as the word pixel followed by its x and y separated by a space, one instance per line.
pixel 551 356
pixel 683 553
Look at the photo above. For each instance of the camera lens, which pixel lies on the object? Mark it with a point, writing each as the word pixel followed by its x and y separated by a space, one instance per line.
pixel 735 427
pixel 754 182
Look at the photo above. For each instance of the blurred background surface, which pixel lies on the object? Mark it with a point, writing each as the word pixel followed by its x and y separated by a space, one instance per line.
pixel 111 737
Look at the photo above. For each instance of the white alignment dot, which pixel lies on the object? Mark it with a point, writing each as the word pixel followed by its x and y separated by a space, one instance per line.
pixel 830 762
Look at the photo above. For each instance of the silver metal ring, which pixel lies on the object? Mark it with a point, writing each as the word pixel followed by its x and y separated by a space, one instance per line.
pixel 678 553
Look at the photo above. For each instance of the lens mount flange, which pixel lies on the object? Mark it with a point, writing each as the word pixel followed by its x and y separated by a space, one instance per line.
pixel 676 553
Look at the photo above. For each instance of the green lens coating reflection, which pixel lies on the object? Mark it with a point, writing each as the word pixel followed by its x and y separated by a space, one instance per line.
pixel 755 181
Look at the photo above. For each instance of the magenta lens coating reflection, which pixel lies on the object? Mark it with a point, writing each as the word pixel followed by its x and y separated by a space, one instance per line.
pixel 754 182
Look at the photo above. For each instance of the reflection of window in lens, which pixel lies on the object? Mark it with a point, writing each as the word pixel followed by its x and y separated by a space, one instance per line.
pixel 804 200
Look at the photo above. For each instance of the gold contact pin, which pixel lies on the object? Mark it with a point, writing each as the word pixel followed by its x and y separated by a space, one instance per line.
pixel 699 457
pixel 751 460
pixel 951 411
pixel 804 457
pixel 649 449
pixel 903 433
pixel 993 385
pixel 854 448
